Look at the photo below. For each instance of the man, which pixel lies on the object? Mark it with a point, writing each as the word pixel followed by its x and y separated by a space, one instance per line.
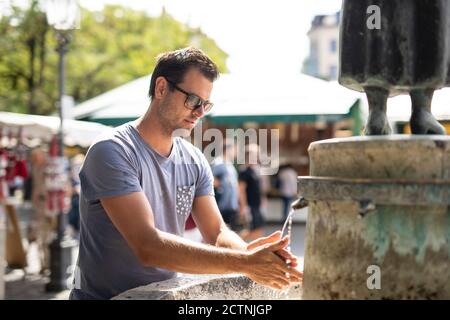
pixel 138 186
pixel 287 177
pixel 251 194
pixel 74 213
pixel 226 187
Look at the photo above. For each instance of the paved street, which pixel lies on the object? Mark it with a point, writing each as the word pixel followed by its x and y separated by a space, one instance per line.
pixel 29 287
pixel 21 286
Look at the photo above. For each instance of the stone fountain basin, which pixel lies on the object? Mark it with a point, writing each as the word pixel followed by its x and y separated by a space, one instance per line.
pixel 378 203
pixel 211 287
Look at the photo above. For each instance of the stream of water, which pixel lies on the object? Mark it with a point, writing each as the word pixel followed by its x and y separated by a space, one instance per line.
pixel 288 224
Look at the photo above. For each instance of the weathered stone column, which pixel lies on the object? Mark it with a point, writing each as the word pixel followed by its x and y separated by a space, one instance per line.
pixel 379 218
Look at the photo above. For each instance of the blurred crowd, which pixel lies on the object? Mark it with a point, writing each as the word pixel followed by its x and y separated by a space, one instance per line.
pixel 26 179
pixel 242 192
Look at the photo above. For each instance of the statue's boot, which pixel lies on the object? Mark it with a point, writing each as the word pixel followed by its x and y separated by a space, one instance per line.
pixel 377 123
pixel 422 120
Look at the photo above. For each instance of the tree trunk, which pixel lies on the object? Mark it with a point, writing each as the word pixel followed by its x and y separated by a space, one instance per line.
pixel 32 107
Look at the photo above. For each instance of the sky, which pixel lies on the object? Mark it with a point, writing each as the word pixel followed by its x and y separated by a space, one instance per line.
pixel 255 33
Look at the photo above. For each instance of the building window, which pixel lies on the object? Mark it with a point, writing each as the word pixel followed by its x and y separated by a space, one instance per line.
pixel 333 46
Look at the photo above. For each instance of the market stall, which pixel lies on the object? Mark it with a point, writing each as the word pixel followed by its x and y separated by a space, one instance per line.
pixel 20 136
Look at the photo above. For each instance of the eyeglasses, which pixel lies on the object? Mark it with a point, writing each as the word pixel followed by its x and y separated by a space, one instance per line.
pixel 193 101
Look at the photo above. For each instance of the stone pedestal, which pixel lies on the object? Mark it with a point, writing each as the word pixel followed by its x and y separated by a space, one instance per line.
pixel 215 287
pixel 379 219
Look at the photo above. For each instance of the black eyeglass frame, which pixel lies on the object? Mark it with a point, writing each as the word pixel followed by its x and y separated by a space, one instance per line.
pixel 207 105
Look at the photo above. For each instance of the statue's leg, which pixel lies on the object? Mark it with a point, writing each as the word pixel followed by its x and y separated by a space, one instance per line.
pixel 422 120
pixel 377 123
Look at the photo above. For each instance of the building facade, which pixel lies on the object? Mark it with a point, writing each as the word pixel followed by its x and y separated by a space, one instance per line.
pixel 323 58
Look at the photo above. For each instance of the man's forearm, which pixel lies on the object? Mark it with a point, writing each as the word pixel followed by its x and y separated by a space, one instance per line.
pixel 229 239
pixel 181 255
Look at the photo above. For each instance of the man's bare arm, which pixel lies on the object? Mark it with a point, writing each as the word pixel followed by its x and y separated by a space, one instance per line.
pixel 209 221
pixel 133 217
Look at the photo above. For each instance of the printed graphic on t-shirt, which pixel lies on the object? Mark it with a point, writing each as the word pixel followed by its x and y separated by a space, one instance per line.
pixel 185 197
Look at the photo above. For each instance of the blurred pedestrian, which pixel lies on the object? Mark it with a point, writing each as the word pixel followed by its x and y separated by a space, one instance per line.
pixel 74 213
pixel 226 187
pixel 287 178
pixel 250 194
pixel 42 225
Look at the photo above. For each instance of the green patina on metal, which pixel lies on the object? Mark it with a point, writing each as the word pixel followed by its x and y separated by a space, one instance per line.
pixel 375 234
pixel 407 230
pixel 420 234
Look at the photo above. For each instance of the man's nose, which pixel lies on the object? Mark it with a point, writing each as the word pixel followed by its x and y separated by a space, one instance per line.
pixel 200 112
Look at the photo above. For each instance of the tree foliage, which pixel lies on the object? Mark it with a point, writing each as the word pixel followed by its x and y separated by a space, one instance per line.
pixel 111 47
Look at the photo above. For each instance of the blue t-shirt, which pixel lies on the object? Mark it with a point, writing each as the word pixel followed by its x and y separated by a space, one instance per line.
pixel 227 193
pixel 121 163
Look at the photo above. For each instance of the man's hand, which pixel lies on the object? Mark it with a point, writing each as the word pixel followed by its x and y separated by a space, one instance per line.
pixel 269 269
pixel 282 253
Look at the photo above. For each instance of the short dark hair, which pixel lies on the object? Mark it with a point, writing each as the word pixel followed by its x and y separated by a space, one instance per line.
pixel 174 65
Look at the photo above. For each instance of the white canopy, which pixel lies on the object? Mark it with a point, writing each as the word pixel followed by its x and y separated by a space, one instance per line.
pixel 233 96
pixel 279 95
pixel 37 128
pixel 240 97
pixel 127 101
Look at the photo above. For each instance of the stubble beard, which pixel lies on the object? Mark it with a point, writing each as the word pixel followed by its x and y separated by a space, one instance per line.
pixel 168 125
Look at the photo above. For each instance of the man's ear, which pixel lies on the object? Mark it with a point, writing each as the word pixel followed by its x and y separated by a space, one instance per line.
pixel 161 87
